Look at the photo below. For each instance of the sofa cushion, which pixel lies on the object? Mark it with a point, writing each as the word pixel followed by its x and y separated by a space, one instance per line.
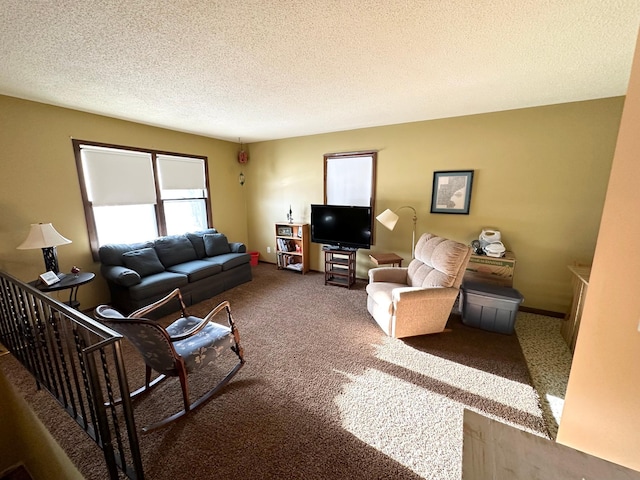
pixel 229 260
pixel 174 249
pixel 198 242
pixel 112 254
pixel 196 269
pixel 156 285
pixel 143 261
pixel 216 244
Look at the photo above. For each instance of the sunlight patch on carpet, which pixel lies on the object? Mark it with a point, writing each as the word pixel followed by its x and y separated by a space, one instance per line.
pixel 459 376
pixel 409 402
pixel 410 424
pixel 556 405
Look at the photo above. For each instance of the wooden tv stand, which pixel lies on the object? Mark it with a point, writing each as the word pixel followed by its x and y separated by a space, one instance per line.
pixel 339 267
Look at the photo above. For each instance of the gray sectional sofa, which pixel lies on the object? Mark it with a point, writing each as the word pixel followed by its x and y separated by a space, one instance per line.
pixel 202 264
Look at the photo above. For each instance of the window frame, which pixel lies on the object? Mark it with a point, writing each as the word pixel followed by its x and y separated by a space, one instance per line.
pixel 345 158
pixel 159 205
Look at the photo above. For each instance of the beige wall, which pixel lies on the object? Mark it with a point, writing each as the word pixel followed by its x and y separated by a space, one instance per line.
pixel 602 408
pixel 40 182
pixel 540 177
pixel 25 440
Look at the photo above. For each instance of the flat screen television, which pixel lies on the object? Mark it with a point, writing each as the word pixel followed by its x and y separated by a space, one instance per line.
pixel 341 226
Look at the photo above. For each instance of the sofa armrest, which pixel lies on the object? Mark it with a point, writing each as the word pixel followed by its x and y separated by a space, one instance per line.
pixel 388 274
pixel 119 275
pixel 237 247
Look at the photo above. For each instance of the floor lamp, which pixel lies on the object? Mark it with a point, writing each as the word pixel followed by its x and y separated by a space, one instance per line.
pixel 44 236
pixel 389 219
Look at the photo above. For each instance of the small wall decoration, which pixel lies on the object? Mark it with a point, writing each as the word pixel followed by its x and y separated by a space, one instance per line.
pixel 451 191
pixel 243 156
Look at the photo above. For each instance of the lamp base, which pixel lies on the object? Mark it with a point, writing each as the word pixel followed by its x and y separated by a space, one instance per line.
pixel 51 259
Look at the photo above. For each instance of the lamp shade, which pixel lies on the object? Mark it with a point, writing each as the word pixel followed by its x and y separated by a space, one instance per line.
pixel 42 235
pixel 388 219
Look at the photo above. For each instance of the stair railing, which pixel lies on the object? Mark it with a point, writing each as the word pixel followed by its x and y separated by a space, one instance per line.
pixel 79 362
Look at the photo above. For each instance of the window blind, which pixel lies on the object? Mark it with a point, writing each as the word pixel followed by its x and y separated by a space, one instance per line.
pixel 117 177
pixel 348 181
pixel 180 173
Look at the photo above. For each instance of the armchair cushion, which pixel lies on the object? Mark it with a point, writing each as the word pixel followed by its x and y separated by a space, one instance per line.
pixel 437 262
pixel 144 261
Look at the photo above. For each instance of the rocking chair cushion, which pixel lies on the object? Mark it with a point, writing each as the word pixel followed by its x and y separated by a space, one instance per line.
pixel 204 347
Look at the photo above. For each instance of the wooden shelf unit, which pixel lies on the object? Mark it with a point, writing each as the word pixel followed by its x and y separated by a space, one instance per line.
pixel 292 246
pixel 339 267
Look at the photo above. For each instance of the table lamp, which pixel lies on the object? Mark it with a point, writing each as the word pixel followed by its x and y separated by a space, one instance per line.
pixel 44 236
pixel 389 219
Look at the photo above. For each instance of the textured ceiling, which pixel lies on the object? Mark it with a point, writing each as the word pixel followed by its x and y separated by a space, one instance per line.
pixel 267 69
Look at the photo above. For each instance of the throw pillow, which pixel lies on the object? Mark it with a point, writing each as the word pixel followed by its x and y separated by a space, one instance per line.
pixel 174 249
pixel 216 244
pixel 198 242
pixel 144 261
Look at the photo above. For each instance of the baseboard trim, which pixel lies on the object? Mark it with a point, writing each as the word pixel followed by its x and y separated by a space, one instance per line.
pixel 539 311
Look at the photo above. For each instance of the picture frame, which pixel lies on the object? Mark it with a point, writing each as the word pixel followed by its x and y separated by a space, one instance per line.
pixel 49 278
pixel 451 191
pixel 285 231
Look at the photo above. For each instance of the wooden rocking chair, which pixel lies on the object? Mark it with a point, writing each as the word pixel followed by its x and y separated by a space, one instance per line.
pixel 187 344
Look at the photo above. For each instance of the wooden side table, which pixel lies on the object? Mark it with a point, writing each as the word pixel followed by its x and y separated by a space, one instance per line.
pixel 386 259
pixel 68 281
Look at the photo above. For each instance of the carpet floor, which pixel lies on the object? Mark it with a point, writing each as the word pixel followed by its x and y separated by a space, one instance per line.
pixel 324 393
pixel 549 360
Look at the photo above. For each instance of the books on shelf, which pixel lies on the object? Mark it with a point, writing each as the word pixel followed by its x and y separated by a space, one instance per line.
pixel 285 245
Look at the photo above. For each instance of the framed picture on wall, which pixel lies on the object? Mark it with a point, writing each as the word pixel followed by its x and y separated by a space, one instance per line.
pixel 451 191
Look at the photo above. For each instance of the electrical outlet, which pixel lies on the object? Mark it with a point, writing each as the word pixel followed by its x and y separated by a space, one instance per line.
pixel 268 249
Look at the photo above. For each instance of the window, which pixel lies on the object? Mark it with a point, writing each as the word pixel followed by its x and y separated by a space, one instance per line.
pixel 133 195
pixel 350 179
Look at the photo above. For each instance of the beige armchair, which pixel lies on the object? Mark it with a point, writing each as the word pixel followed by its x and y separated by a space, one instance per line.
pixel 417 300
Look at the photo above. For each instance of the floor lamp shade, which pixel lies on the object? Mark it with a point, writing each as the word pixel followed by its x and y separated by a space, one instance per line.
pixel 44 236
pixel 389 219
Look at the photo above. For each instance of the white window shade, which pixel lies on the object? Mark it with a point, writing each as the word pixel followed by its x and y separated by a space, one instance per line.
pixel 349 181
pixel 118 177
pixel 181 173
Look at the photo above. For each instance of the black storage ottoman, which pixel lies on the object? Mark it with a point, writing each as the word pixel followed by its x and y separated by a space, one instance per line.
pixel 489 307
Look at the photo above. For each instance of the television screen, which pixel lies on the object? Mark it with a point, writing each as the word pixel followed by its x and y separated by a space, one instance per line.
pixel 341 226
